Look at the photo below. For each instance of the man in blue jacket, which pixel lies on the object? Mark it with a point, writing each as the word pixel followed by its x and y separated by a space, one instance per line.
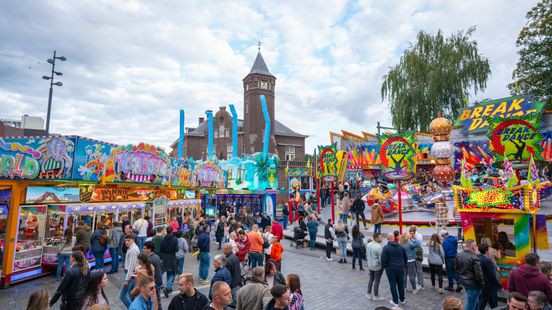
pixel 492 284
pixel 204 245
pixel 450 247
pixel 393 259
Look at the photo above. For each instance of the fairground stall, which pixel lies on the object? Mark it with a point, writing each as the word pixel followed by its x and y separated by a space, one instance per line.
pixel 50 184
pixel 506 220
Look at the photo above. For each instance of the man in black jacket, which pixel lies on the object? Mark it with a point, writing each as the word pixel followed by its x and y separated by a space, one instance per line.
pixel 169 247
pixel 155 260
pixel 393 259
pixel 329 235
pixel 233 265
pixel 490 277
pixel 358 207
pixel 468 266
pixel 189 297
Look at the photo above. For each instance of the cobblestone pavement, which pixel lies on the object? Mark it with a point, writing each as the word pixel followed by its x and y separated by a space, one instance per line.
pixel 326 285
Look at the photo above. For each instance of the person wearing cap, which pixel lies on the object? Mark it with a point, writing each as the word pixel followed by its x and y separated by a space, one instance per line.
pixel 450 247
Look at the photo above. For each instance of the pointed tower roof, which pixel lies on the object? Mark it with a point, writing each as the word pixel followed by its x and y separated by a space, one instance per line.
pixel 259 66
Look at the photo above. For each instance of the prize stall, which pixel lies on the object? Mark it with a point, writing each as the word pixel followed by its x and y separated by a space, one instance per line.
pixel 49 184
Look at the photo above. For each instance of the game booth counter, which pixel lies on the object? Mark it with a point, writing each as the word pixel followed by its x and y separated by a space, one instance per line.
pixel 506 220
pixel 50 184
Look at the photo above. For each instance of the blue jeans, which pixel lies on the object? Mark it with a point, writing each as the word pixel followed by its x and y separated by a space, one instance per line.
pixel 124 295
pixel 285 221
pixel 63 259
pixel 377 228
pixel 99 256
pixel 256 259
pixel 180 264
pixel 451 274
pixel 114 253
pixel 357 255
pixel 342 243
pixel 473 298
pixel 396 282
pixel 140 242
pixel 204 261
pixel 312 240
pixel 170 279
pixel 343 218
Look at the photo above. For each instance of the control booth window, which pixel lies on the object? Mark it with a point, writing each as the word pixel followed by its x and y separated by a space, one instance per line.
pixel 499 234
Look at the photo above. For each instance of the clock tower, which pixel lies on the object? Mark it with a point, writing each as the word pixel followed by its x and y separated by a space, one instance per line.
pixel 258 82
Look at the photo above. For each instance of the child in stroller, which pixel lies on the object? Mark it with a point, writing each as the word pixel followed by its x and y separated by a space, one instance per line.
pixel 299 234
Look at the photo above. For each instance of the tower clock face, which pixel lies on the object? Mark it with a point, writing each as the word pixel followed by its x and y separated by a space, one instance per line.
pixel 264 85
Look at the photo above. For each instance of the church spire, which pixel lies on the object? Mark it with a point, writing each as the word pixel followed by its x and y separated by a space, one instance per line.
pixel 259 66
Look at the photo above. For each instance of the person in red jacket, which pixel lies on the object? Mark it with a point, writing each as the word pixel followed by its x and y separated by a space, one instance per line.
pixel 244 245
pixel 528 278
pixel 277 230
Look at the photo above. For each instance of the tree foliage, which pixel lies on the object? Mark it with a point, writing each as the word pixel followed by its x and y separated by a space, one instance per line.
pixel 533 72
pixel 434 75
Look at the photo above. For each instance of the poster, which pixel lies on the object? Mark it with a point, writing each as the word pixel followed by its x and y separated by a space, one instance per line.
pixel 398 155
pixel 51 194
pixel 90 159
pixel 515 138
pixel 327 165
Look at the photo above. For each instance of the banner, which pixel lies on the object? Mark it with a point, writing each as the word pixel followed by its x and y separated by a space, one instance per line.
pixel 327 164
pixel 515 139
pixel 398 155
pixel 473 119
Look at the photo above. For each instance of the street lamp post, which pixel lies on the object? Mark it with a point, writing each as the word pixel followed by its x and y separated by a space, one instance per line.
pixel 51 78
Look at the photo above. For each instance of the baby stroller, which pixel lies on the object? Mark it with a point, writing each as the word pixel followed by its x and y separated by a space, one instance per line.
pixel 299 237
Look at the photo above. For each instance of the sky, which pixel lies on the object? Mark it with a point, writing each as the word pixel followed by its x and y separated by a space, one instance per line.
pixel 131 65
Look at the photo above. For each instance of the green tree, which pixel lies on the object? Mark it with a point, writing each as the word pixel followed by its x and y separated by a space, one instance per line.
pixel 533 72
pixel 434 75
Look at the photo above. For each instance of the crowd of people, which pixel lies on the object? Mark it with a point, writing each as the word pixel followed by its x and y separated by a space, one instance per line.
pixel 247 274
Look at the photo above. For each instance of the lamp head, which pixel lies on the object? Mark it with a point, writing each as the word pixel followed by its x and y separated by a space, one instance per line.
pixel 58 84
pixel 50 61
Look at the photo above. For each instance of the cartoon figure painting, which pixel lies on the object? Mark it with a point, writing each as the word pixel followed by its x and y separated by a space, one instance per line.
pixel 57 156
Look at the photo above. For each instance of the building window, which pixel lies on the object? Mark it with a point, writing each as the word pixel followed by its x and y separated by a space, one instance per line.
pixel 221 130
pixel 290 152
pixel 228 151
pixel 227 133
pixel 216 134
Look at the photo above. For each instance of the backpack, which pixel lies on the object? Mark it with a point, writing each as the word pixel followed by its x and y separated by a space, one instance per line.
pixel 419 253
pixel 266 243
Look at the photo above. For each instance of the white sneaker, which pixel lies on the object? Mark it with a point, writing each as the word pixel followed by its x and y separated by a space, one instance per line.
pixel 393 304
pixel 403 302
pixel 415 292
pixel 368 296
pixel 329 259
pixel 377 298
pixel 421 288
pixel 441 291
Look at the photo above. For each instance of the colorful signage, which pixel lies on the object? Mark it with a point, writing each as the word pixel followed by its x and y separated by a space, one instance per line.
pixel 398 155
pixel 489 198
pixel 474 119
pixel 36 158
pixel 327 166
pixel 51 194
pixel 208 174
pixel 516 139
pixel 520 199
pixel 363 156
pixel 141 163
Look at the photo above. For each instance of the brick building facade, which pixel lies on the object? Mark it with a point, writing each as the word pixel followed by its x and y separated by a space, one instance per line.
pixel 286 143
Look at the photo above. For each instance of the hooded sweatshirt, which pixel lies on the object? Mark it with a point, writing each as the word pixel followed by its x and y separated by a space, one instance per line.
pixel 393 256
pixel 528 278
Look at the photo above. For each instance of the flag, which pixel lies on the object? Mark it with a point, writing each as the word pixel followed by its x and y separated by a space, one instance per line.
pixel 510 174
pixel 287 169
pixel 465 182
pixel 533 173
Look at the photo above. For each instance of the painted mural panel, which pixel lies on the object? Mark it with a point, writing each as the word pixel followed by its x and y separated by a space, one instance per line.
pixel 37 158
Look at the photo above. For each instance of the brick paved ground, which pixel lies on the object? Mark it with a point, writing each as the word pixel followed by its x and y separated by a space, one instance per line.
pixel 326 285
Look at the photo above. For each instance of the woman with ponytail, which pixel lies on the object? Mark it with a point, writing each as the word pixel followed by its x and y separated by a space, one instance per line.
pixel 73 285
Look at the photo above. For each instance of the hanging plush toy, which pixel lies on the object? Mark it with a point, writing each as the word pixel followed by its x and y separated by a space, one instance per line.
pixel 30 230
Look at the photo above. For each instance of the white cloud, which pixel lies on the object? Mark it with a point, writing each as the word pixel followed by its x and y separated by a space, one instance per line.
pixel 131 65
